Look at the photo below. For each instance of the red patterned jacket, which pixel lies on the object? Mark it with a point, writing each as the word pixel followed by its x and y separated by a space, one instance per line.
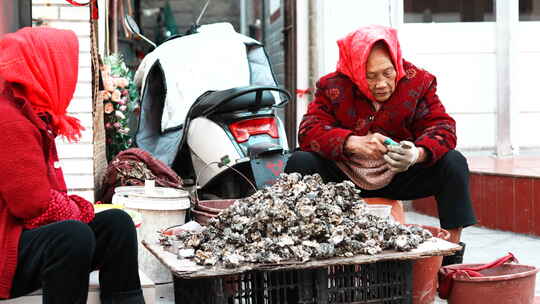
pixel 414 113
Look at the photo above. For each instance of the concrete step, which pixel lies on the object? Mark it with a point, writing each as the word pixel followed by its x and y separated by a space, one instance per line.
pixel 149 291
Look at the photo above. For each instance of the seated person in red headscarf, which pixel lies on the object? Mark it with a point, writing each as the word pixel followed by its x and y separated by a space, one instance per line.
pixel 372 97
pixel 49 239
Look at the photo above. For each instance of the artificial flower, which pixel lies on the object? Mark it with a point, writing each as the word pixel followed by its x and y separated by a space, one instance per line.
pixel 108 83
pixel 121 82
pixel 108 108
pixel 123 131
pixel 116 96
pixel 120 115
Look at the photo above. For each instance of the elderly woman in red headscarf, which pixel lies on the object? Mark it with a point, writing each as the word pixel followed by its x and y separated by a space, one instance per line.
pixel 49 239
pixel 375 96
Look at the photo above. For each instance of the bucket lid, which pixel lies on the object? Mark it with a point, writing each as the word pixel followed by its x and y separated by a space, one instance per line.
pixel 145 204
pixel 158 192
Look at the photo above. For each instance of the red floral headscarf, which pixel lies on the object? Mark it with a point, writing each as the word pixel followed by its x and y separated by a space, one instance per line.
pixel 41 64
pixel 355 48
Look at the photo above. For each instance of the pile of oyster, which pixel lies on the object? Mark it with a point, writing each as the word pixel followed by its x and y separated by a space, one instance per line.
pixel 296 218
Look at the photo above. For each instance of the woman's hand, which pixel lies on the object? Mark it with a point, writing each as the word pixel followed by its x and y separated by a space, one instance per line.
pixel 402 156
pixel 369 147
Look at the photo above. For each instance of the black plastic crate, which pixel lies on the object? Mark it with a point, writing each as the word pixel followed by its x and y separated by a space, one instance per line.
pixel 381 282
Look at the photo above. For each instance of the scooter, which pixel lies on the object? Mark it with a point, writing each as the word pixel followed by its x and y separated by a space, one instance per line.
pixel 211 109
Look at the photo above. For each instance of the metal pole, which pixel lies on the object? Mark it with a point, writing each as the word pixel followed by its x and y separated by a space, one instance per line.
pixel 243 17
pixel 303 57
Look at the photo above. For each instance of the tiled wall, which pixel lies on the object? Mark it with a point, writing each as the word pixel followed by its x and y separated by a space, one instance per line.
pixel 501 202
pixel 76 158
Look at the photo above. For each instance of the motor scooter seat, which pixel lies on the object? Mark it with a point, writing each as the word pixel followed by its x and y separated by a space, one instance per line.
pixel 232 100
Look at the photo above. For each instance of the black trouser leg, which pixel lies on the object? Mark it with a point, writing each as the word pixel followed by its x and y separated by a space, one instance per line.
pixel 116 258
pixel 447 180
pixel 308 163
pixel 58 257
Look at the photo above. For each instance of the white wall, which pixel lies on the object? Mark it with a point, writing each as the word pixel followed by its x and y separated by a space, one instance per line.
pixel 342 17
pixel 527 84
pixel 462 57
pixel 76 158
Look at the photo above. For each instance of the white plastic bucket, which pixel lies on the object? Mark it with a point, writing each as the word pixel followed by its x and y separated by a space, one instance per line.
pixel 382 211
pixel 160 208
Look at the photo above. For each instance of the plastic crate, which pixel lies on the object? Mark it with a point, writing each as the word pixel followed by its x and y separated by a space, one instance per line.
pixel 381 282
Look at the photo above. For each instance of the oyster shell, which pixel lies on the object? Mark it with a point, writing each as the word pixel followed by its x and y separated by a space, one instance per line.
pixel 296 218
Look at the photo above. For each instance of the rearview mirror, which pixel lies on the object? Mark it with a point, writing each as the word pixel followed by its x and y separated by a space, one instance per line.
pixel 132 25
pixel 134 29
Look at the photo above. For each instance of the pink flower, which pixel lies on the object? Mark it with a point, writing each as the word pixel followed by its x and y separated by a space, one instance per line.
pixel 123 131
pixel 108 83
pixel 117 125
pixel 121 82
pixel 105 95
pixel 120 115
pixel 123 108
pixel 108 125
pixel 108 108
pixel 116 96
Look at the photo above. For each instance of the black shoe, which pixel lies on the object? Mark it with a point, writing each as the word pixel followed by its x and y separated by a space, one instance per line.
pixel 456 258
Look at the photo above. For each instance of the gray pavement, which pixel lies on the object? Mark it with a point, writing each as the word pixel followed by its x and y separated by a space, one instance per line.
pixel 483 246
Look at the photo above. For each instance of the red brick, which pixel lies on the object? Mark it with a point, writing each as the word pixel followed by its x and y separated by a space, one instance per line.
pixel 490 196
pixel 475 186
pixel 505 203
pixel 536 206
pixel 433 209
pixel 418 206
pixel 426 206
pixel 523 197
pixel 482 198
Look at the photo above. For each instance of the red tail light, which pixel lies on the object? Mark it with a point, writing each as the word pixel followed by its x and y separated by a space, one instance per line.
pixel 243 129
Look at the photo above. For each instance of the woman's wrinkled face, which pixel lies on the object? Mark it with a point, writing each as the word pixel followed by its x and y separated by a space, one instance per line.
pixel 380 74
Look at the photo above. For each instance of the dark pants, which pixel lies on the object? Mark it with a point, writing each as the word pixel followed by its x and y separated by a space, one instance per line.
pixel 58 258
pixel 447 180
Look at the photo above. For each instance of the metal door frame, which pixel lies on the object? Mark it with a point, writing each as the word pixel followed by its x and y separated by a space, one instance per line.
pixel 289 39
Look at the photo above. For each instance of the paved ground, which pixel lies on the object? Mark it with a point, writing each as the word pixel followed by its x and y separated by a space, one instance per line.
pixel 483 245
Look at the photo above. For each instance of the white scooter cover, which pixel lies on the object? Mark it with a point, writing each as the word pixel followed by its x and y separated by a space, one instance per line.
pixel 213 59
